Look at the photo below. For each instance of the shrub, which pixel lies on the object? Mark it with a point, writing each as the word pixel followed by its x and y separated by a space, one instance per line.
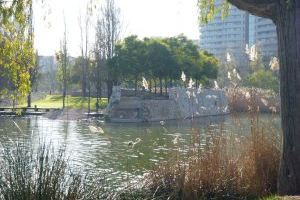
pixel 42 174
pixel 263 79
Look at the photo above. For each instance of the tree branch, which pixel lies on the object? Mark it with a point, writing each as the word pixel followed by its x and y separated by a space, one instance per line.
pixel 261 8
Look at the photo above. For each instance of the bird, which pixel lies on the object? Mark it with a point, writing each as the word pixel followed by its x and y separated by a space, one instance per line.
pixel 162 123
pixel 132 143
pixel 175 140
pixel 95 129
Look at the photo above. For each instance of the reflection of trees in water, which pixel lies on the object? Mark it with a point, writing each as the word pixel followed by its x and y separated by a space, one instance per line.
pixel 66 127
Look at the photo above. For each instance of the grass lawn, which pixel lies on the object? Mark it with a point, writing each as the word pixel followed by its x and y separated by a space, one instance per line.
pixel 55 101
pixel 271 198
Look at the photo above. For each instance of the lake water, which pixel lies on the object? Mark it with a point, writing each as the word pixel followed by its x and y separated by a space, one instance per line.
pixel 110 153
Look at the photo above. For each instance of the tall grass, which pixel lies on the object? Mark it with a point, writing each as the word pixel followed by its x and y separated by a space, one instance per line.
pixel 43 174
pixel 241 163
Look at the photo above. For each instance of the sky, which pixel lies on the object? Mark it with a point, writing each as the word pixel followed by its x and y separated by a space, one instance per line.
pixel 145 18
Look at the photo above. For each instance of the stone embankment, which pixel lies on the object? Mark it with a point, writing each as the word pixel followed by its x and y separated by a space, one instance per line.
pixel 181 103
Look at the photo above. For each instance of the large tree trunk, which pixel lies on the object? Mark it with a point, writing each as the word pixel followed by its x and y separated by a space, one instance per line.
pixel 286 15
pixel 288 29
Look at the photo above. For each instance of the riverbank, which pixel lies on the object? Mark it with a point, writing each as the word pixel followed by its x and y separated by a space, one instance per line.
pixel 76 107
pixel 72 102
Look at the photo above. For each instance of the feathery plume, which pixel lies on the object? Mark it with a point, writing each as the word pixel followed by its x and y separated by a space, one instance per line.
pixel 228 57
pixel 145 84
pixel 229 75
pixel 191 83
pixel 183 77
pixel 274 64
pixel 216 85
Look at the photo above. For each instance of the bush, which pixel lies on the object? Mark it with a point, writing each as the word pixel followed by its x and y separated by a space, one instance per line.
pixel 263 79
pixel 43 174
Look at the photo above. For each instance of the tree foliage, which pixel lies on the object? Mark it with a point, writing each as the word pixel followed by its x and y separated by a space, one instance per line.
pixel 17 55
pixel 264 79
pixel 162 59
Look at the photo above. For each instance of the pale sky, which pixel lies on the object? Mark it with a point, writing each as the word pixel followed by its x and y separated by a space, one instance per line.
pixel 145 18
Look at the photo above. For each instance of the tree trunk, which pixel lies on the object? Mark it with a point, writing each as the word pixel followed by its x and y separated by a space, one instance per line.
pixel 150 85
pixel 29 100
pixel 109 88
pixel 99 94
pixel 135 84
pixel 83 83
pixel 288 29
pixel 160 86
pixel 166 86
pixel 64 99
pixel 155 86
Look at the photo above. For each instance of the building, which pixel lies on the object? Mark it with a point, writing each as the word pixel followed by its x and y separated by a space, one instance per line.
pixel 232 34
pixel 266 37
pixel 229 35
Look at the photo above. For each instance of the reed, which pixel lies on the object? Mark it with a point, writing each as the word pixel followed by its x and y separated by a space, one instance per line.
pixel 241 163
pixel 43 174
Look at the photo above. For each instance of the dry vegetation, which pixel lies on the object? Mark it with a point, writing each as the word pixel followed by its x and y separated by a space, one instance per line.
pixel 241 163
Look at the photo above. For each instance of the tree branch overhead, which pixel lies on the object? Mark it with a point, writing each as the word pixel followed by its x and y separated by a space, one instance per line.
pixel 261 8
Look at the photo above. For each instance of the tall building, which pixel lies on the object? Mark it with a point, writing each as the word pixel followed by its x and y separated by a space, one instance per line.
pixel 229 35
pixel 266 37
pixel 232 34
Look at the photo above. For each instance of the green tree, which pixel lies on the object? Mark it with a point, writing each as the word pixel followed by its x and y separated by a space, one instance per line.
pixel 205 68
pixel 161 62
pixel 286 16
pixel 263 79
pixel 129 60
pixel 16 48
pixel 185 52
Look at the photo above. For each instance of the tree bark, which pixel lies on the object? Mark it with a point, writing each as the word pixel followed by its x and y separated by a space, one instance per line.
pixel 160 86
pixel 166 86
pixel 83 78
pixel 135 84
pixel 150 85
pixel 288 29
pixel 261 8
pixel 155 86
pixel 109 88
pixel 29 100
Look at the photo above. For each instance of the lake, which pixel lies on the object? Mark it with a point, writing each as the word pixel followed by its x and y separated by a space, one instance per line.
pixel 110 154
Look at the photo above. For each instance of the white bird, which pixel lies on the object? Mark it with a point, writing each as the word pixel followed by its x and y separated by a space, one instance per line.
pixel 94 129
pixel 132 144
pixel 162 123
pixel 176 139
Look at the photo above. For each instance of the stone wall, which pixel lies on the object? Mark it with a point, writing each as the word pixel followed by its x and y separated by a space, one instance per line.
pixel 182 103
pixel 199 102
